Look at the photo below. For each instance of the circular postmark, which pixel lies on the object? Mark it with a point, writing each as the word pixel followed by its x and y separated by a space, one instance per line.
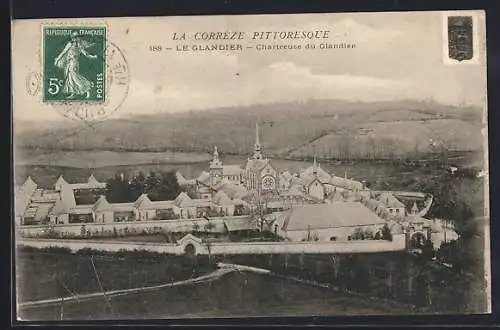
pixel 33 83
pixel 117 86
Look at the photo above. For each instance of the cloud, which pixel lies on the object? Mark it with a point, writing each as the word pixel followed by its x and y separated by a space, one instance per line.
pixel 289 71
pixel 362 33
pixel 281 81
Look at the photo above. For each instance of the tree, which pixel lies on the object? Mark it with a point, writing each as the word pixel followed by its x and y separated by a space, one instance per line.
pixel 163 186
pixel 428 249
pixel 118 190
pixel 137 185
pixel 386 233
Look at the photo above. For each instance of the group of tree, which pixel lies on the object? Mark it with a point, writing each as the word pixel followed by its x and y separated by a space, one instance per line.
pixel 158 186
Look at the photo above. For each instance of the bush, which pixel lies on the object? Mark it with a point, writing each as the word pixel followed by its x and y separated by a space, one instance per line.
pixel 386 233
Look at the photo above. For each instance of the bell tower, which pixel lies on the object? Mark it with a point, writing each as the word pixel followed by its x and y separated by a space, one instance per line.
pixel 215 168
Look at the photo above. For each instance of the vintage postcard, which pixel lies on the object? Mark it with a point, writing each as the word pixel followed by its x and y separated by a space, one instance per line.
pixel 257 165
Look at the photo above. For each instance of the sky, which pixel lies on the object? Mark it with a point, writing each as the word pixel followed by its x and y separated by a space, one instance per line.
pixel 397 56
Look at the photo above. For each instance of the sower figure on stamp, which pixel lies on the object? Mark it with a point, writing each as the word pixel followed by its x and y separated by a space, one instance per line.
pixel 68 60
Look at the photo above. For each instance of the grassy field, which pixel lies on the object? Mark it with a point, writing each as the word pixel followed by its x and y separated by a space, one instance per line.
pixel 234 295
pixel 49 273
pixel 93 159
pixel 286 129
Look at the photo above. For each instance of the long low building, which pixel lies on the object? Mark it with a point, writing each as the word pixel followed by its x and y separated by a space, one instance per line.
pixel 336 221
pixel 36 206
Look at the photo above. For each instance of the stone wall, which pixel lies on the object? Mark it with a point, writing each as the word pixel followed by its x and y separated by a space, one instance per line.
pixel 177 225
pixel 397 244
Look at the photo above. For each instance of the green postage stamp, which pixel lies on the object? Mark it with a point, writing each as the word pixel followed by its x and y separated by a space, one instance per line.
pixel 74 64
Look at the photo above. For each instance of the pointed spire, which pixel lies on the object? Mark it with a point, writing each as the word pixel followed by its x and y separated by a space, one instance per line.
pixel 215 163
pixel 216 153
pixel 315 165
pixel 257 148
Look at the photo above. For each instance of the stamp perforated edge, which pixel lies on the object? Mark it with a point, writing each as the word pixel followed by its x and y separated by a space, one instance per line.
pixel 41 55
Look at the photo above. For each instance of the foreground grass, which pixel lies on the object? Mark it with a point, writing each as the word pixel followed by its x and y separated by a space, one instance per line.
pixel 234 295
pixel 53 272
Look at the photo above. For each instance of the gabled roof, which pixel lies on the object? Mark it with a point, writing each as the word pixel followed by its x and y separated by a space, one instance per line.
pixel 308 174
pixel 390 201
pixel 204 178
pixel 60 180
pixel 92 179
pixel 181 180
pixel 334 215
pixel 345 183
pixel 143 202
pixel 102 205
pixel 67 195
pixel 221 198
pixel 28 186
pixel 182 200
pixel 313 179
pixel 59 208
pixel 256 164
pixel 91 183
pixel 294 190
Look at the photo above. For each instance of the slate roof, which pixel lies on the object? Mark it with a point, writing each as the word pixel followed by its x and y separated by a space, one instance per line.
pixel 256 164
pixel 59 208
pixel 143 203
pixel 345 183
pixel 294 190
pixel 221 198
pixel 204 178
pixel 390 201
pixel 28 187
pixel 308 175
pixel 181 180
pixel 231 170
pixel 123 207
pixel 162 204
pixel 334 215
pixel 237 224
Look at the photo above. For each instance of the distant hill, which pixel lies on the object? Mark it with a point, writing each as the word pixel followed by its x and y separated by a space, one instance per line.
pixel 331 128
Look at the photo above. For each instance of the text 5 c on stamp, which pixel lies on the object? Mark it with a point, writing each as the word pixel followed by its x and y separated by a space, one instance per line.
pixel 74 64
